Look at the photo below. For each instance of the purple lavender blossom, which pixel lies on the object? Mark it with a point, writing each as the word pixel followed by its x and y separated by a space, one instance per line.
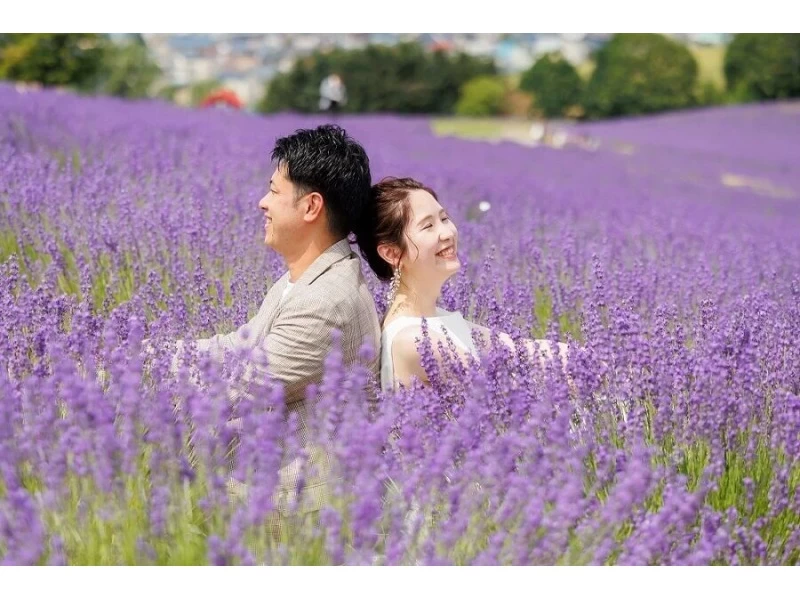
pixel 668 259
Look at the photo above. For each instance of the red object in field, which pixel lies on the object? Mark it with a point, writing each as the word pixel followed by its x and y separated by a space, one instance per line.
pixel 222 96
pixel 442 46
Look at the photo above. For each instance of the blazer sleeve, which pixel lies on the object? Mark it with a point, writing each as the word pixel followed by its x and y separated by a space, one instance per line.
pixel 296 346
pixel 216 346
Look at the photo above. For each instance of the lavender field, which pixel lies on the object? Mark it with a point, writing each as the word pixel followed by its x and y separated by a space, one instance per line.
pixel 669 260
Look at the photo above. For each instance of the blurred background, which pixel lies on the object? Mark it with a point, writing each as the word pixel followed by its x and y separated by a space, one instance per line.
pixel 498 85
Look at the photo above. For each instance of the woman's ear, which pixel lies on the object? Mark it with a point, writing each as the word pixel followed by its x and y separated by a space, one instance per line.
pixel 389 253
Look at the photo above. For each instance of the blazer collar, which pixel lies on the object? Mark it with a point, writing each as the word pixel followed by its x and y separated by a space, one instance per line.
pixel 335 253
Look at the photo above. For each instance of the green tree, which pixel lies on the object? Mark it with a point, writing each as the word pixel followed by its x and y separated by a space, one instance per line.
pixel 482 96
pixel 277 95
pixel 168 92
pixel 762 66
pixel 68 59
pixel 128 70
pixel 554 83
pixel 403 78
pixel 454 72
pixel 640 73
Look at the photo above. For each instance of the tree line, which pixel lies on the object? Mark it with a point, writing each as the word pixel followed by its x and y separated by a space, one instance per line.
pixel 634 73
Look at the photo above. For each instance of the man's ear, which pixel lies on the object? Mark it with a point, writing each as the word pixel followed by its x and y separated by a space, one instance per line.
pixel 390 254
pixel 314 206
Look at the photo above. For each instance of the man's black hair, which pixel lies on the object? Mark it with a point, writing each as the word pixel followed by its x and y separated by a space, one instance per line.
pixel 327 160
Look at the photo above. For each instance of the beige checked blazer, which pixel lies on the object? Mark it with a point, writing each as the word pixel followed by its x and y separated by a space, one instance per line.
pixel 296 334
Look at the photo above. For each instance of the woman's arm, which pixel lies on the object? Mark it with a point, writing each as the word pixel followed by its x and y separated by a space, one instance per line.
pixel 542 349
pixel 406 357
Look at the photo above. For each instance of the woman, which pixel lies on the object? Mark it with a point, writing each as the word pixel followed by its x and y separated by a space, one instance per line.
pixel 407 238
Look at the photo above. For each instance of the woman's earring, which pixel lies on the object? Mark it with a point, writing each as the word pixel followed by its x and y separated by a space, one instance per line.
pixel 395 284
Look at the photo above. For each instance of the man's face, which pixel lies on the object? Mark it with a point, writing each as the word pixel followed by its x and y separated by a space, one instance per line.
pixel 283 214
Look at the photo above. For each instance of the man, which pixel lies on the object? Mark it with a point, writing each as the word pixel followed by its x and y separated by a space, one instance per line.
pixel 332 94
pixel 316 195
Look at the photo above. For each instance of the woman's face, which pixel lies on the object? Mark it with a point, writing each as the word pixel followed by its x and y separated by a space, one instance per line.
pixel 432 242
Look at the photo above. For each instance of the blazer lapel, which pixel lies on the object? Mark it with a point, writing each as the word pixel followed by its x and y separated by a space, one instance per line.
pixel 272 302
pixel 336 252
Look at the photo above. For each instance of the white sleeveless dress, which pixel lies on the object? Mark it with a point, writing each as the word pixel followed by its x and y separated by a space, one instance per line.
pixel 453 323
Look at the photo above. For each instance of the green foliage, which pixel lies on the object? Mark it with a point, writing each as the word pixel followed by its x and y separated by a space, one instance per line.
pixel 128 71
pixel 554 83
pixel 87 62
pixel 68 59
pixel 709 94
pixel 482 96
pixel 168 92
pixel 763 66
pixel 403 78
pixel 640 73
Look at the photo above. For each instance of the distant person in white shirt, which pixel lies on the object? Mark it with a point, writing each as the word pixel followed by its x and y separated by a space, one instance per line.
pixel 332 94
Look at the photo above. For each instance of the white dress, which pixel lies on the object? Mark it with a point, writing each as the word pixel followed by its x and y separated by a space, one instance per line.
pixel 457 328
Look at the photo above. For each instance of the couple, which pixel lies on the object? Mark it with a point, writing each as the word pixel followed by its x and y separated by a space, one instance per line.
pixel 320 192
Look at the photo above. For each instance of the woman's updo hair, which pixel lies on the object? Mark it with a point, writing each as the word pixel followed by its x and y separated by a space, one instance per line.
pixel 384 220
